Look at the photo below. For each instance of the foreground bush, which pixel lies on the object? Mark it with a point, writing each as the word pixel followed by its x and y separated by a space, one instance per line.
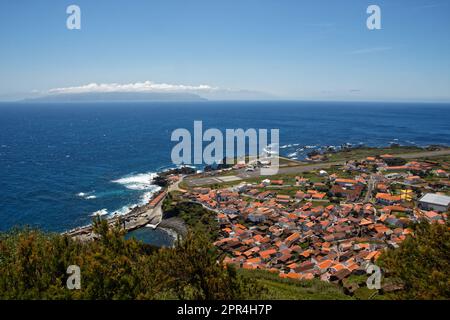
pixel 422 263
pixel 33 265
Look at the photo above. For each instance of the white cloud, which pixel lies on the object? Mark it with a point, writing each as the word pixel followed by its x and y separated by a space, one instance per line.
pixel 147 86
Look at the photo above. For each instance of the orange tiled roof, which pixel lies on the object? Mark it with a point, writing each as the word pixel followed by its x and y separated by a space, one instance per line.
pixel 267 253
pixel 293 275
pixel 293 237
pixel 325 264
pixel 349 181
pixel 319 195
pixel 388 197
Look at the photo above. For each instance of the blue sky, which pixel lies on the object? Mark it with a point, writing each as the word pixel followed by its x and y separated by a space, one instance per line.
pixel 290 49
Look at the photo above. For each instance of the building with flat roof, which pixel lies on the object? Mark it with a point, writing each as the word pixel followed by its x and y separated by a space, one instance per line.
pixel 435 202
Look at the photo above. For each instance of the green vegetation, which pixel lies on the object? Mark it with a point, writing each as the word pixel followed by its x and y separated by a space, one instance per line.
pixel 277 288
pixel 194 215
pixel 364 293
pixel 361 153
pixel 33 266
pixel 422 263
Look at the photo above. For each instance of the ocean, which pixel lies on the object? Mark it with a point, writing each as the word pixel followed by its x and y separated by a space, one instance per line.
pixel 60 163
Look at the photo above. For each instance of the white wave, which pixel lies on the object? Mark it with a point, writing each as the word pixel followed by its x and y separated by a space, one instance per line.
pixel 87 195
pixel 146 197
pixel 186 166
pixel 123 211
pixel 140 181
pixel 293 154
pixel 268 148
pixel 99 213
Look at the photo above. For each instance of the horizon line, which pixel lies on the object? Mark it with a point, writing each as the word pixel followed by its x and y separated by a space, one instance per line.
pixel 26 101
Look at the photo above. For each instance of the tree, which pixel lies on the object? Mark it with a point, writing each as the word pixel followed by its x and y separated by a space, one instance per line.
pixel 394 161
pixel 33 265
pixel 195 271
pixel 422 263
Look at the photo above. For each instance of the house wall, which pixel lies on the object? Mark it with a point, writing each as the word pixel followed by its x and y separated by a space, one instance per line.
pixel 434 207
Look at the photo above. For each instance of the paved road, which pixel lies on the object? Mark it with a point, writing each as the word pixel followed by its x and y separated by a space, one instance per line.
pixel 176 186
pixel 309 167
pixel 370 187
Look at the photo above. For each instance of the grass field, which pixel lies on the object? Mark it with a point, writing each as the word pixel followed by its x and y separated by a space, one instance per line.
pixel 361 153
pixel 287 289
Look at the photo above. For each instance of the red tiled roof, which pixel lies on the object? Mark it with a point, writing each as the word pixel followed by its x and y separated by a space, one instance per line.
pixel 388 197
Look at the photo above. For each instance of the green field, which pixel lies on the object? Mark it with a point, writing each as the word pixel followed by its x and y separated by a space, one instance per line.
pixel 361 153
pixel 277 288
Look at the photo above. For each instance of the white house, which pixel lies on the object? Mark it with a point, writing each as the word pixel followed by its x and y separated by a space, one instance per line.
pixel 323 173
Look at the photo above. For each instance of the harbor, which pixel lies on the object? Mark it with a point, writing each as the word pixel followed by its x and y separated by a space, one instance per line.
pixel 149 215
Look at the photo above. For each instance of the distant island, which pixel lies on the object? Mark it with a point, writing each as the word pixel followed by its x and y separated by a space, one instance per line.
pixel 119 97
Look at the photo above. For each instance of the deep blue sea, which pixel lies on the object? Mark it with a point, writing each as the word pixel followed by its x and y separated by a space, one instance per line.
pixel 60 163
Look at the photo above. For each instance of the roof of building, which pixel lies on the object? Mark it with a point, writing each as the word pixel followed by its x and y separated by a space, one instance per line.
pixel 388 197
pixel 437 199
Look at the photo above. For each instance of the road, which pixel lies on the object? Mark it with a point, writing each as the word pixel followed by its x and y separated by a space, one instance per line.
pixel 176 186
pixel 370 187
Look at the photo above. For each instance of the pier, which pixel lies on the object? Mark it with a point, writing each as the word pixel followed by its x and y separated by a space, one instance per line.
pixel 149 214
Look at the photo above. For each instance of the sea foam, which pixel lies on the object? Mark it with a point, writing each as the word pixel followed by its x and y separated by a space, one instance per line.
pixel 87 195
pixel 99 213
pixel 140 181
pixel 137 182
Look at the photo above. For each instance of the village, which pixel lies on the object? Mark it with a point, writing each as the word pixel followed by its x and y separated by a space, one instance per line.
pixel 327 224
